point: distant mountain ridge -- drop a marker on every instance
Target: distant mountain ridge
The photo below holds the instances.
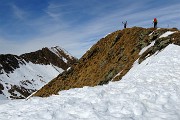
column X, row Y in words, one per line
column 24, row 74
column 54, row 55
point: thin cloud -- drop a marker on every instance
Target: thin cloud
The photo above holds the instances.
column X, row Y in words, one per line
column 55, row 10
column 77, row 37
column 18, row 13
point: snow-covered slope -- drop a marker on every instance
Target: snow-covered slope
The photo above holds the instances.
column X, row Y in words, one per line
column 149, row 91
column 26, row 79
column 22, row 75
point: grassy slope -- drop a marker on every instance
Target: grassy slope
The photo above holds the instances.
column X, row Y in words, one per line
column 111, row 55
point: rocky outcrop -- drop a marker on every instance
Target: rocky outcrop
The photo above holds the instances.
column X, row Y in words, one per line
column 1, row 88
column 110, row 58
column 8, row 63
column 54, row 55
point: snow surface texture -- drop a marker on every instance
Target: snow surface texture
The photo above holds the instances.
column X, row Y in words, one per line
column 37, row 76
column 149, row 91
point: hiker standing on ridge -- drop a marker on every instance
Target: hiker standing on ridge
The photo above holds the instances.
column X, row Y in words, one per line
column 125, row 24
column 155, row 22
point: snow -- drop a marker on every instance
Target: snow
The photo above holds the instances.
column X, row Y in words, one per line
column 166, row 34
column 106, row 35
column 154, row 31
column 68, row 68
column 2, row 97
column 151, row 33
column 56, row 50
column 65, row 60
column 150, row 90
column 37, row 75
column 147, row 47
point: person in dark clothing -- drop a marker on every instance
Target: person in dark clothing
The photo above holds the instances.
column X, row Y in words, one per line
column 125, row 24
column 155, row 22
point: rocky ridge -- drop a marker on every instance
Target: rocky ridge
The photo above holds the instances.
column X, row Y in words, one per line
column 111, row 58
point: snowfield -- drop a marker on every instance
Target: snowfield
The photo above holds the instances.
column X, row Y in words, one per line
column 149, row 91
column 36, row 74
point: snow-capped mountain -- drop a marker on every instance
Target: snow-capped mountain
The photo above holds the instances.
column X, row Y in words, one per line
column 112, row 57
column 24, row 74
column 149, row 91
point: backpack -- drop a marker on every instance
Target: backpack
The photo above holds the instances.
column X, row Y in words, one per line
column 155, row 20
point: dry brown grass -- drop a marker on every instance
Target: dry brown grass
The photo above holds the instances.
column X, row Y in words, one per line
column 113, row 54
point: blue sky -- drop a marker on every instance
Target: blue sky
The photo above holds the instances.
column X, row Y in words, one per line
column 29, row 25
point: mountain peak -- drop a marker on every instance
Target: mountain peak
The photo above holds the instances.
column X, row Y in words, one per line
column 59, row 50
column 24, row 74
column 111, row 58
column 53, row 55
